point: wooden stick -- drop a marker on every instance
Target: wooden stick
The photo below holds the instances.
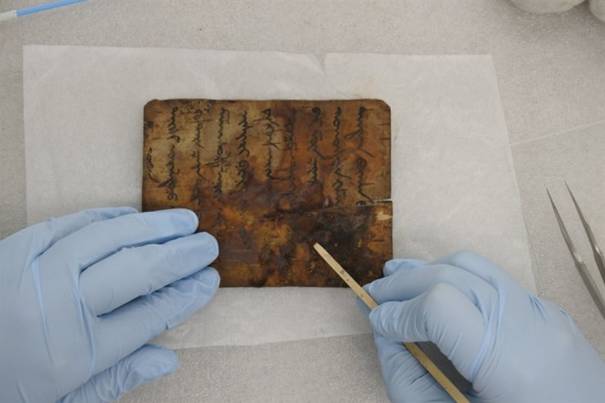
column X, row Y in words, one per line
column 413, row 348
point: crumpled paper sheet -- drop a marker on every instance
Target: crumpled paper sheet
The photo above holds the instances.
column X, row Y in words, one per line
column 453, row 185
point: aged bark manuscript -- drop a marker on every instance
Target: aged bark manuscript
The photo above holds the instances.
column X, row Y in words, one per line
column 270, row 178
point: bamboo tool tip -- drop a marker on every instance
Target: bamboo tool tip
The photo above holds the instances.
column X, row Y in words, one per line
column 345, row 276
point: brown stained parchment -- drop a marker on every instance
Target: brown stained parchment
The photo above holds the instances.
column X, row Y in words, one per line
column 270, row 178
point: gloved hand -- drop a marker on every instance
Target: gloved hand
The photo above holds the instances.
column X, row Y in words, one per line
column 511, row 345
column 80, row 296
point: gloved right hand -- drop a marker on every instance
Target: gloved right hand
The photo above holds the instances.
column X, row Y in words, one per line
column 511, row 345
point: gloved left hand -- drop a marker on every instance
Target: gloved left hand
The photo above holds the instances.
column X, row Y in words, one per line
column 80, row 296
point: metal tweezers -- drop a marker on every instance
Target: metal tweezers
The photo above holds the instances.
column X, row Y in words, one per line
column 589, row 281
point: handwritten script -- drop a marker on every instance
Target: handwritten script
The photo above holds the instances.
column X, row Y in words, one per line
column 266, row 177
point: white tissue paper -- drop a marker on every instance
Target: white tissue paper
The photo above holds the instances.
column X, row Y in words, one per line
column 453, row 185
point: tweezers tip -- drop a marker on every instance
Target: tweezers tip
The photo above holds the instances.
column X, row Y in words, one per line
column 580, row 214
column 552, row 202
column 570, row 192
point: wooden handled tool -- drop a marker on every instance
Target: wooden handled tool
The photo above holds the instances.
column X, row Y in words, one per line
column 416, row 352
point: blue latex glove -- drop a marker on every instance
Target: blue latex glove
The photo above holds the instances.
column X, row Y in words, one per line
column 512, row 345
column 80, row 296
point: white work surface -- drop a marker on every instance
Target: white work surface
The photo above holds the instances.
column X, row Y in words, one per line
column 453, row 187
column 552, row 87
